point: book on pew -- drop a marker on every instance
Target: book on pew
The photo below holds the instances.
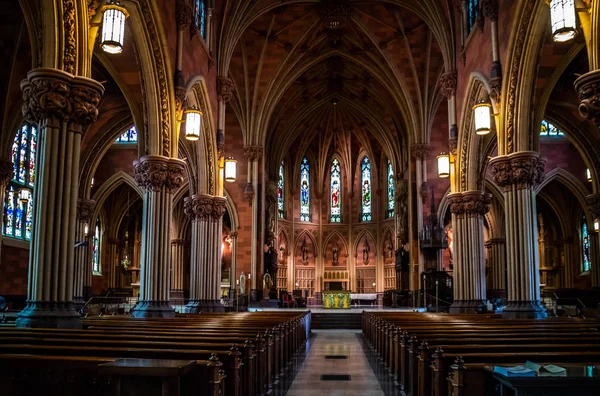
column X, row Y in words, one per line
column 548, row 370
column 516, row 371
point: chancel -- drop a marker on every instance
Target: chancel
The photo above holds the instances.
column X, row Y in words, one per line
column 221, row 196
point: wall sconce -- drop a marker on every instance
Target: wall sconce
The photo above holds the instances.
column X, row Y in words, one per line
column 374, row 284
column 193, row 124
column 230, row 169
column 562, row 20
column 113, row 28
column 596, row 225
column 481, row 112
column 443, row 160
column 92, row 182
column 588, row 175
column 86, row 229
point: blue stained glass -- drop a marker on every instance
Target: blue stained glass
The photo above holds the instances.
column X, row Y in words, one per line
column 32, row 153
column 280, row 192
column 23, row 151
column 15, row 155
column 390, row 181
column 366, row 189
column 9, row 215
column 129, row 136
column 586, row 246
column 549, row 129
column 201, row 17
column 18, row 217
column 29, row 217
column 305, row 190
column 472, row 13
column 96, row 248
column 336, row 192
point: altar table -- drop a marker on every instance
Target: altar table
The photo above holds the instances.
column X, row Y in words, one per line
column 336, row 299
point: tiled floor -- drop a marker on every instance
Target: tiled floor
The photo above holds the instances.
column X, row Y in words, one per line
column 336, row 342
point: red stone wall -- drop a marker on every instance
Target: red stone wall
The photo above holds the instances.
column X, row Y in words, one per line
column 14, row 265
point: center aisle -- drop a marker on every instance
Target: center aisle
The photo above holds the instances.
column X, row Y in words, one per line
column 337, row 343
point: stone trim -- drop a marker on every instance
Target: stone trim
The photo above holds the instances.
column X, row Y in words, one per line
column 588, row 92
column 85, row 209
column 153, row 172
column 204, row 207
column 524, row 169
column 470, row 203
column 253, row 153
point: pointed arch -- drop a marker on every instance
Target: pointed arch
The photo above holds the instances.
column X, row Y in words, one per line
column 339, row 238
column 335, row 191
column 111, row 184
column 300, row 238
column 572, row 184
column 357, row 241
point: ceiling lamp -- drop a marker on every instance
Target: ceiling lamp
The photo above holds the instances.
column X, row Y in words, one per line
column 193, row 124
column 588, row 174
column 230, row 169
column 562, row 19
column 113, row 28
column 481, row 112
column 443, row 160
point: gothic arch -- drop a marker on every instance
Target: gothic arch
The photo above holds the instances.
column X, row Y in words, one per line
column 339, row 238
column 370, row 239
column 232, row 210
column 387, row 231
column 299, row 239
column 111, row 184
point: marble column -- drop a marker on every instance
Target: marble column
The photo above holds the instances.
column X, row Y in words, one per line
column 159, row 177
column 496, row 254
column 565, row 260
column 177, row 260
column 81, row 286
column 468, row 209
column 419, row 154
column 206, row 213
column 517, row 174
column 6, row 174
column 594, row 206
column 62, row 105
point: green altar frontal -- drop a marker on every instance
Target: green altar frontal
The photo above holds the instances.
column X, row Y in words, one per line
column 336, row 299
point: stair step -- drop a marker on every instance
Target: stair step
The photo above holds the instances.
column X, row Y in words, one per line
column 336, row 321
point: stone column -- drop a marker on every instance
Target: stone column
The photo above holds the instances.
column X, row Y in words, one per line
column 112, row 262
column 177, row 260
column 518, row 173
column 419, row 154
column 566, row 248
column 496, row 248
column 160, row 177
column 6, row 174
column 82, row 288
column 254, row 154
column 468, row 209
column 206, row 213
column 62, row 105
column 594, row 205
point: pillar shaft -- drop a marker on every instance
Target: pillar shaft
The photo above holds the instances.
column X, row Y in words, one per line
column 517, row 174
column 112, row 262
column 496, row 266
column 81, row 282
column 62, row 105
column 177, row 260
column 160, row 177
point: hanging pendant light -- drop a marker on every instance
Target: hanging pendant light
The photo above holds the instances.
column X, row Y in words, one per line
column 193, row 124
column 443, row 160
column 562, row 19
column 481, row 112
column 230, row 169
column 113, row 28
column 588, row 174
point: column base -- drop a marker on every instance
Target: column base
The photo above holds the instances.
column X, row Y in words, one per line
column 78, row 303
column 524, row 309
column 55, row 315
column 198, row 306
column 153, row 309
column 468, row 306
column 255, row 295
column 176, row 297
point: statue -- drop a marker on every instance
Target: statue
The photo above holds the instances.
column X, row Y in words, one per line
column 365, row 252
column 267, row 282
column 402, row 214
column 335, row 252
column 304, row 253
column 271, row 197
column 389, row 251
column 281, row 254
column 242, row 283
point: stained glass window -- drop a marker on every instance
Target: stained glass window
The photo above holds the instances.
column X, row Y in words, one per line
column 129, row 136
column 472, row 13
column 549, row 129
column 585, row 238
column 201, row 17
column 390, row 189
column 18, row 201
column 305, row 190
column 96, row 248
column 366, row 189
column 336, row 192
column 280, row 192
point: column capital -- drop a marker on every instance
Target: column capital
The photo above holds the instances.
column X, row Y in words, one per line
column 177, row 242
column 470, row 203
column 6, row 172
column 420, row 150
column 57, row 96
column 204, row 207
column 494, row 241
column 253, row 153
column 233, row 234
column 448, row 82
column 593, row 201
column 489, row 9
column 153, row 172
column 523, row 169
column 85, row 209
column 183, row 14
column 225, row 88
column 588, row 92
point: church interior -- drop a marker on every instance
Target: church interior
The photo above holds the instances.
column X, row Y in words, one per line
column 220, row 197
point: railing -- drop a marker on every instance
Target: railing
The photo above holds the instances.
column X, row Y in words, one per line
column 579, row 305
column 437, row 301
column 236, row 304
column 108, row 305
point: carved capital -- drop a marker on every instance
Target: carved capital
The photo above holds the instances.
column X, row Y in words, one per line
column 153, row 172
column 233, row 234
column 85, row 209
column 6, row 172
column 588, row 91
column 448, row 83
column 204, row 207
column 224, row 89
column 496, row 91
column 456, row 203
column 177, row 242
column 253, row 153
column 593, row 201
column 249, row 193
column 489, row 9
column 219, row 207
column 183, row 14
column 523, row 169
column 476, row 203
column 420, row 150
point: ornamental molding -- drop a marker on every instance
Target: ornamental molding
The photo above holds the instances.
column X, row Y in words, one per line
column 588, row 92
column 470, row 203
column 155, row 172
column 524, row 169
column 183, row 14
column 448, row 82
column 204, row 207
column 85, row 209
column 6, row 172
column 225, row 88
column 420, row 150
column 489, row 9
column 70, row 51
column 249, row 193
column 494, row 242
column 593, row 201
column 55, row 96
column 253, row 153
column 177, row 242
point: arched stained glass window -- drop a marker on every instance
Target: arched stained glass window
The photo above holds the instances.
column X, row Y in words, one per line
column 549, row 129
column 96, row 247
column 280, row 192
column 129, row 136
column 472, row 13
column 201, row 17
column 305, row 190
column 365, row 166
column 390, row 190
column 585, row 242
column 18, row 203
column 336, row 192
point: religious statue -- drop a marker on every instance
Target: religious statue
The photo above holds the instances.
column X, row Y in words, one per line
column 267, row 282
column 242, row 283
column 304, row 253
column 402, row 213
column 389, row 251
column 281, row 254
column 365, row 252
column 335, row 251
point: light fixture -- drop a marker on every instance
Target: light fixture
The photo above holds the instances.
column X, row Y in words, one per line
column 92, row 182
column 230, row 169
column 481, row 112
column 562, row 20
column 113, row 28
column 588, row 174
column 86, row 229
column 443, row 160
column 374, row 284
column 596, row 225
column 193, row 124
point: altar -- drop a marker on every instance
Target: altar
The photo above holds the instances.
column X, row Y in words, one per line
column 336, row 299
